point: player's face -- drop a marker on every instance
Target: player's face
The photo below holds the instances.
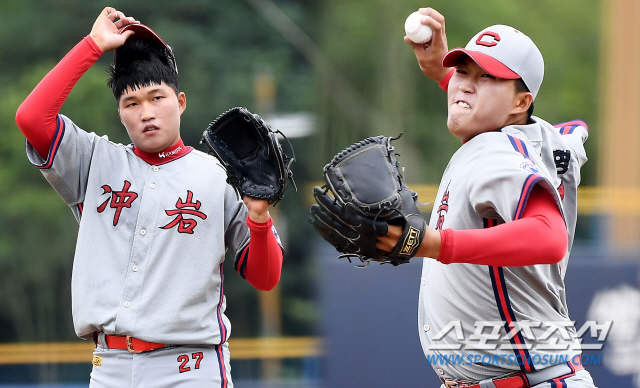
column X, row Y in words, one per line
column 479, row 102
column 151, row 116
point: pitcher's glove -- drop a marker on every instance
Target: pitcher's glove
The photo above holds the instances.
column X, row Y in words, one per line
column 367, row 194
column 249, row 150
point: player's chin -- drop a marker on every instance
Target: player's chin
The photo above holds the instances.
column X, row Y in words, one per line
column 149, row 145
column 456, row 128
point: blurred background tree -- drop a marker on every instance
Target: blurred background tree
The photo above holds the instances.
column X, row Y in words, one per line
column 358, row 78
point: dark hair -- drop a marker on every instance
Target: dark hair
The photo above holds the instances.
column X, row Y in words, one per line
column 139, row 64
column 522, row 87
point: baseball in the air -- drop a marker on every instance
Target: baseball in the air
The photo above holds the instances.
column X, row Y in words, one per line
column 416, row 31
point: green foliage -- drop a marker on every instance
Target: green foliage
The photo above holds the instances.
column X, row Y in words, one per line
column 363, row 42
column 36, row 243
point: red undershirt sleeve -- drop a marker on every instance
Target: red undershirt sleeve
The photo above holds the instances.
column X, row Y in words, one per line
column 36, row 116
column 444, row 84
column 539, row 237
column 264, row 262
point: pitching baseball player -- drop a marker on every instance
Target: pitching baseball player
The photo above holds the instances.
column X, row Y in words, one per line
column 156, row 218
column 492, row 309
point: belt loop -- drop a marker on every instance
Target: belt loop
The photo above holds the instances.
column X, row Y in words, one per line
column 487, row 384
column 524, row 377
column 102, row 341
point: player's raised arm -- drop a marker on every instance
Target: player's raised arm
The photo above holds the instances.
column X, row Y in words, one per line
column 36, row 116
column 430, row 54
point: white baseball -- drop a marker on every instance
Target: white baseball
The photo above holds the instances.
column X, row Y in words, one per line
column 416, row 31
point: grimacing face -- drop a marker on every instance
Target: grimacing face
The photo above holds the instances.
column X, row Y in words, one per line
column 479, row 102
column 151, row 116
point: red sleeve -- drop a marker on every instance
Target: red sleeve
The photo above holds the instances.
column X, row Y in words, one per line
column 539, row 237
column 36, row 116
column 264, row 261
column 444, row 84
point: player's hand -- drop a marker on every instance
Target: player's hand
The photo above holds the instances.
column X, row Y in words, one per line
column 258, row 209
column 388, row 242
column 430, row 246
column 105, row 29
column 430, row 54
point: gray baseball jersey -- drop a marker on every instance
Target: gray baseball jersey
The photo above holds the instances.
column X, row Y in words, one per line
column 478, row 322
column 152, row 238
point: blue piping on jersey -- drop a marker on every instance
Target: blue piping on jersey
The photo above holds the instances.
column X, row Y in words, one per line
column 240, row 264
column 223, row 328
column 55, row 143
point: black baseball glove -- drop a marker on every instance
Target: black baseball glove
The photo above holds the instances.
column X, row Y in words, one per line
column 249, row 150
column 368, row 193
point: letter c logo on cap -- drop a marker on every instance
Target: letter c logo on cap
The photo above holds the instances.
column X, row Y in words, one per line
column 488, row 39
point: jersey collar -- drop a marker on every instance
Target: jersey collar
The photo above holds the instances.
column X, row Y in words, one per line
column 165, row 156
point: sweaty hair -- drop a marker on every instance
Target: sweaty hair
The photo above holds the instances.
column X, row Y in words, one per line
column 139, row 64
column 521, row 87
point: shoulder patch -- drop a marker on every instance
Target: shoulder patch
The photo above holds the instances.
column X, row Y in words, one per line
column 528, row 165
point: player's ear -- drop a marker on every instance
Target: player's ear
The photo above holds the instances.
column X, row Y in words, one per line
column 182, row 101
column 521, row 103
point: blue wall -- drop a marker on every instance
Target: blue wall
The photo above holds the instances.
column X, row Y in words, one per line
column 370, row 320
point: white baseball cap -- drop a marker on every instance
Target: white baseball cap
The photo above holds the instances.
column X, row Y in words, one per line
column 503, row 52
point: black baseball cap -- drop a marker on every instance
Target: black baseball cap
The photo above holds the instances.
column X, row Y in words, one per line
column 143, row 32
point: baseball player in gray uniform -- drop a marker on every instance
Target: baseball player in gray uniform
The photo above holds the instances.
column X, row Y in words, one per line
column 492, row 307
column 156, row 218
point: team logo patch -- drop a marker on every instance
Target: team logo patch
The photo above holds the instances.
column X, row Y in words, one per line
column 443, row 208
column 528, row 165
column 411, row 241
column 97, row 361
column 488, row 39
column 170, row 153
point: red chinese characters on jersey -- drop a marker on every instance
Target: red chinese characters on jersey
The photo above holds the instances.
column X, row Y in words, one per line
column 118, row 200
column 185, row 208
column 443, row 208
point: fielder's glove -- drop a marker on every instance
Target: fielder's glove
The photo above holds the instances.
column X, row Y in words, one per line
column 367, row 194
column 249, row 150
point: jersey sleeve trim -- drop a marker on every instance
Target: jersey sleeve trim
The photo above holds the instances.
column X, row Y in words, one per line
column 530, row 182
column 568, row 127
column 240, row 264
column 55, row 144
column 528, row 185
